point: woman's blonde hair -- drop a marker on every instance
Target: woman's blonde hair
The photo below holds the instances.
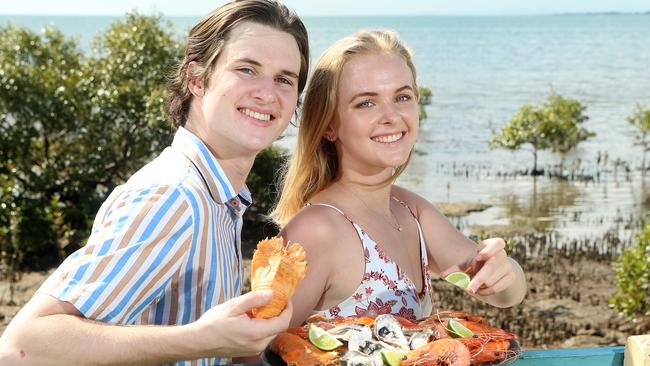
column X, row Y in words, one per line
column 314, row 163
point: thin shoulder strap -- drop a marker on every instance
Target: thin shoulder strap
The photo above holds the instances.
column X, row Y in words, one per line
column 327, row 205
column 405, row 205
column 423, row 247
column 357, row 229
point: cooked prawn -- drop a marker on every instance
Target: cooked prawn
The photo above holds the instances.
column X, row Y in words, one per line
column 489, row 344
column 442, row 352
column 456, row 314
column 296, row 351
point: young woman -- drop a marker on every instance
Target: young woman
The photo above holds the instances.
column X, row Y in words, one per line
column 370, row 244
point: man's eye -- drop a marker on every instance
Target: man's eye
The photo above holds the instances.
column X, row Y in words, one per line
column 283, row 80
column 245, row 70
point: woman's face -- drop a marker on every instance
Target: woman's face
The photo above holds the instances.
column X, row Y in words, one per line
column 376, row 118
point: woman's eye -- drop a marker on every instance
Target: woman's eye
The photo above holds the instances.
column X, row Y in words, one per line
column 365, row 104
column 404, row 98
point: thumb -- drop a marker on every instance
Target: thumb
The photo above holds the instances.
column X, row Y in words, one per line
column 449, row 270
column 242, row 304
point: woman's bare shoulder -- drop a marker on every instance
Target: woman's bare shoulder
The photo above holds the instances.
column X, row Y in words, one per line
column 315, row 225
column 416, row 202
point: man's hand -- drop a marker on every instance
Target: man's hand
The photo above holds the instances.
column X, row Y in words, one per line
column 227, row 330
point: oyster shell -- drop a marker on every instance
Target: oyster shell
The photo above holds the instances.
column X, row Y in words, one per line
column 389, row 330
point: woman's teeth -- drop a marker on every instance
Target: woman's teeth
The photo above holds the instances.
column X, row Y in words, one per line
column 256, row 115
column 389, row 138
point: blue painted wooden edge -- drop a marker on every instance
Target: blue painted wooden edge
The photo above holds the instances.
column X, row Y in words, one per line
column 573, row 352
column 606, row 356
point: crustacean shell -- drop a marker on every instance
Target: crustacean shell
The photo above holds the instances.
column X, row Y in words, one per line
column 424, row 342
column 276, row 268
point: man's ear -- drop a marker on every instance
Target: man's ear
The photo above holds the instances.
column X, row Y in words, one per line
column 195, row 83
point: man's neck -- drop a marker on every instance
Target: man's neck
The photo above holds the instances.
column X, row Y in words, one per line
column 237, row 170
column 235, row 163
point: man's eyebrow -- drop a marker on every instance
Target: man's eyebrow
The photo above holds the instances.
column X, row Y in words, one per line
column 290, row 74
column 247, row 60
column 373, row 94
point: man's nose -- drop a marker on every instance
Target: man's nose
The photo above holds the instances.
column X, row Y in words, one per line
column 265, row 90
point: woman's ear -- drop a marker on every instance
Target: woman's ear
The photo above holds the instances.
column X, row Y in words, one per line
column 195, row 83
column 330, row 134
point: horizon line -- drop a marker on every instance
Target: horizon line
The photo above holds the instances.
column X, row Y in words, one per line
column 642, row 12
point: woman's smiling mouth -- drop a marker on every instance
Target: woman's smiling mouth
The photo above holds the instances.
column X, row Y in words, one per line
column 388, row 138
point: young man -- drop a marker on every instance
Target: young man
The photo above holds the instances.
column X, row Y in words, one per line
column 160, row 277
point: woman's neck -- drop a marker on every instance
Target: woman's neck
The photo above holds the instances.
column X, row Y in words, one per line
column 375, row 197
column 373, row 203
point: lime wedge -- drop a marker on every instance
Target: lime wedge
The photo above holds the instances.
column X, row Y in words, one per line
column 460, row 279
column 392, row 358
column 323, row 340
column 458, row 330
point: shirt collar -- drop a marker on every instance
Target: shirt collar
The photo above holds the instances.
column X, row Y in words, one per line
column 208, row 166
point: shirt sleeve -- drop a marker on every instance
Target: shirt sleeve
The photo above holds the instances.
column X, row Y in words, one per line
column 139, row 240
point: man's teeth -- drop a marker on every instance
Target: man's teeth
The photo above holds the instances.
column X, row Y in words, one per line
column 256, row 115
column 389, row 138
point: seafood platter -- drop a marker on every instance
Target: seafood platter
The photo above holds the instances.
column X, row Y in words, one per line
column 444, row 338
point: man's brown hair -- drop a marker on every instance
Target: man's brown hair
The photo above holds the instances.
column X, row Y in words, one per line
column 207, row 39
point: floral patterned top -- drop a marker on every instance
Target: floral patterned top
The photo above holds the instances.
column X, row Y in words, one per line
column 384, row 288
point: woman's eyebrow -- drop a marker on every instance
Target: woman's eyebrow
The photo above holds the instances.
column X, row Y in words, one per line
column 373, row 94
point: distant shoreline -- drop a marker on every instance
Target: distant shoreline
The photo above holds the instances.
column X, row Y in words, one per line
column 608, row 13
column 616, row 13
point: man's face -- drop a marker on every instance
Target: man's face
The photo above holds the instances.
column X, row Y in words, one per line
column 252, row 93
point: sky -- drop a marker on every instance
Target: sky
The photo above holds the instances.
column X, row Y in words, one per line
column 327, row 7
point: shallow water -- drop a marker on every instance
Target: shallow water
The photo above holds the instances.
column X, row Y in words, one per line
column 613, row 201
column 481, row 71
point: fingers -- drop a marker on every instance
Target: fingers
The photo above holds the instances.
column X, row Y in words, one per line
column 490, row 248
column 490, row 266
column 272, row 326
column 495, row 275
column 449, row 270
column 479, row 278
column 499, row 286
column 490, row 270
column 242, row 304
column 487, row 276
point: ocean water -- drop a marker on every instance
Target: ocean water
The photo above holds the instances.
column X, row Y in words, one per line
column 482, row 70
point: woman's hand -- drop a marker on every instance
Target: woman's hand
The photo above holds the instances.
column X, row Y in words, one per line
column 491, row 270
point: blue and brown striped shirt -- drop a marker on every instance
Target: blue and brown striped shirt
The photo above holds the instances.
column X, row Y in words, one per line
column 165, row 246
